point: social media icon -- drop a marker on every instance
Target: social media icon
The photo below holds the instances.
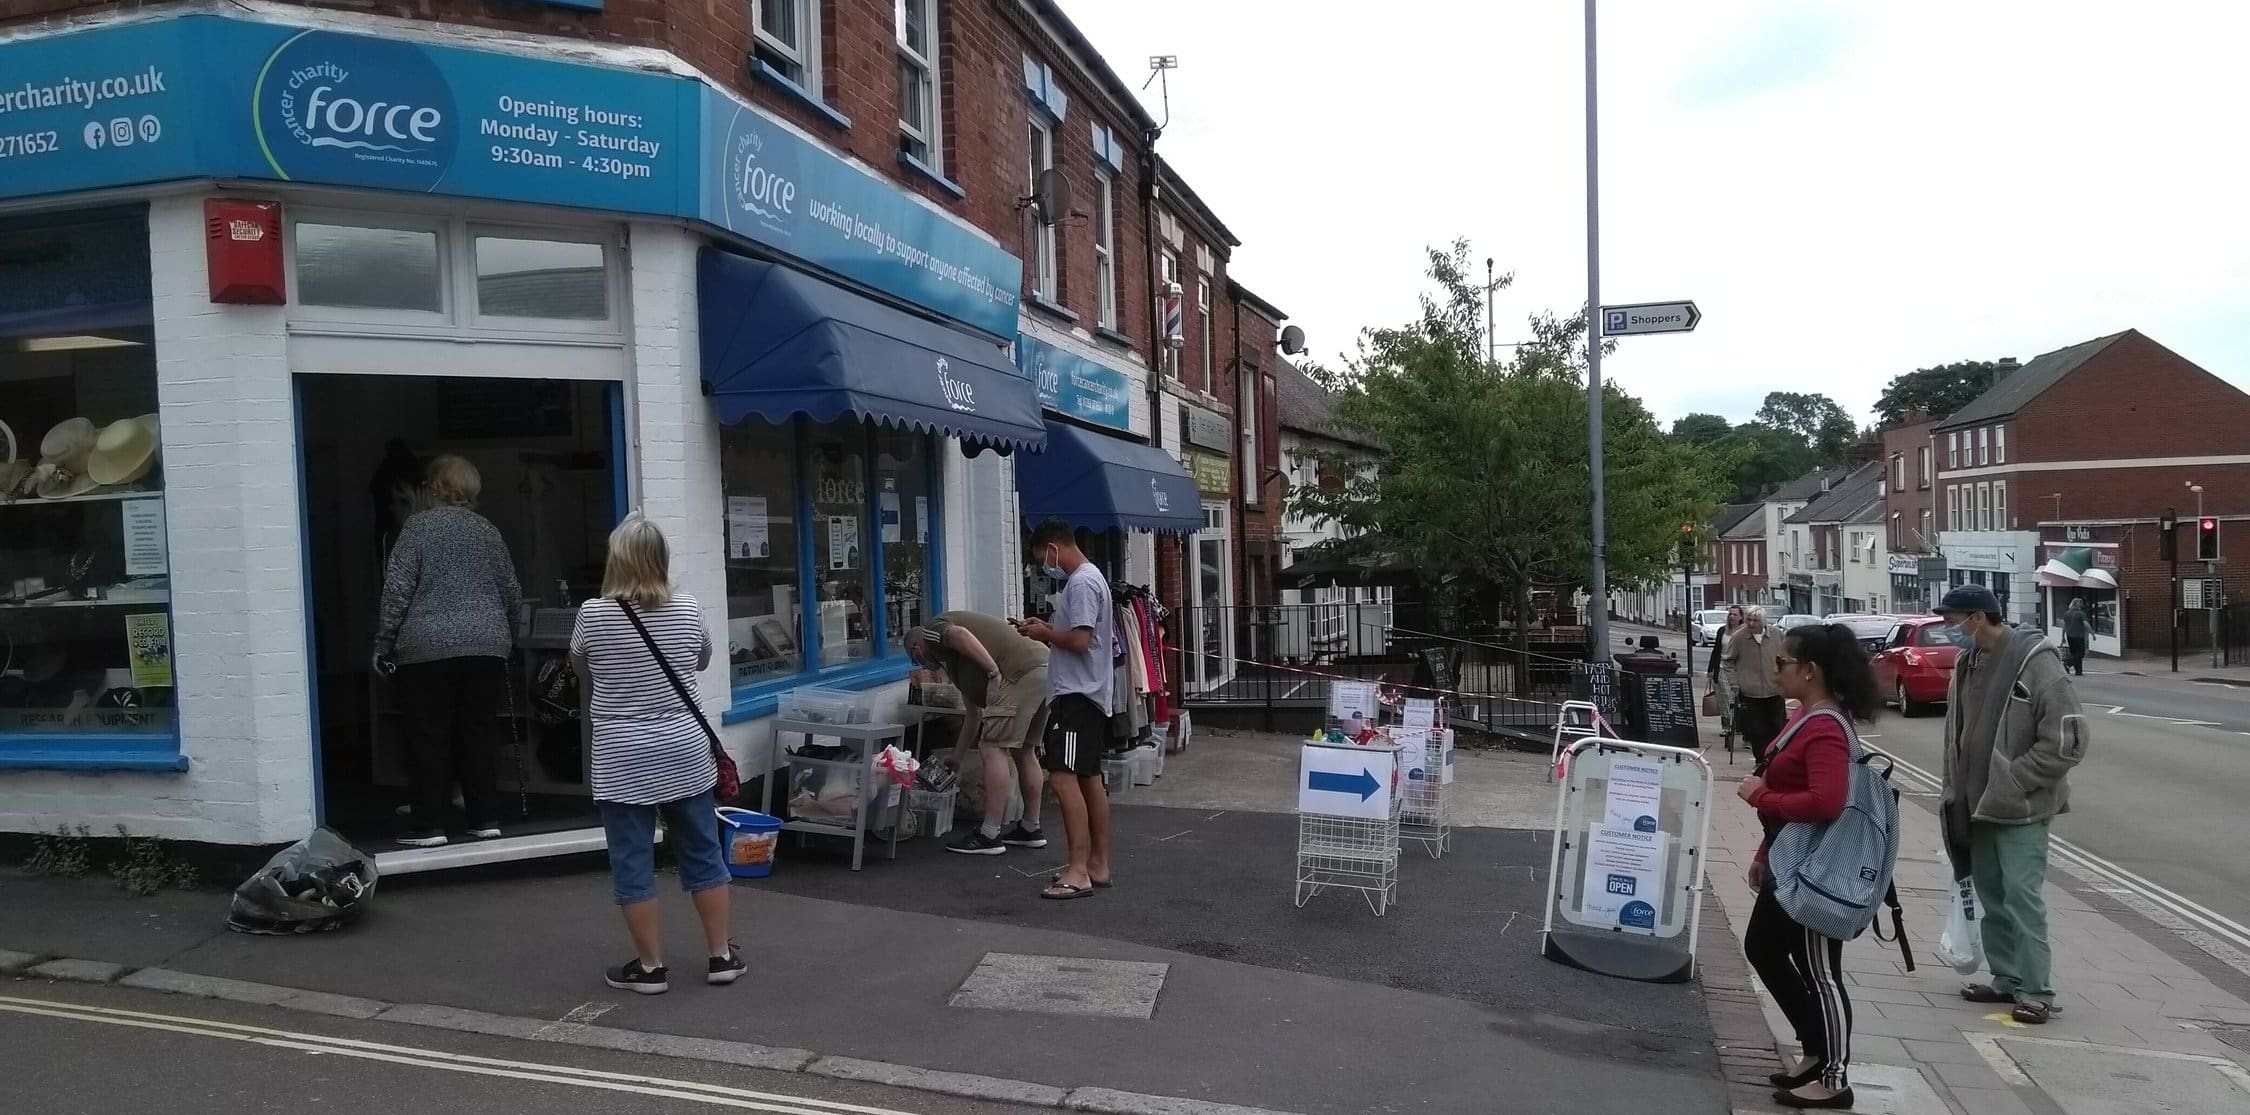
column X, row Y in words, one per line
column 121, row 131
column 96, row 135
column 151, row 128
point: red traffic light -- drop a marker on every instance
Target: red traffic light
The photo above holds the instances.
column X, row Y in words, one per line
column 2208, row 525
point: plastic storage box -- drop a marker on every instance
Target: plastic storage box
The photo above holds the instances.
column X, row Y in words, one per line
column 933, row 811
column 817, row 705
column 1117, row 776
column 1145, row 763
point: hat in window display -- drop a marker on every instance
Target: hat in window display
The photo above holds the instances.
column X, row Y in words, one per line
column 124, row 451
column 62, row 461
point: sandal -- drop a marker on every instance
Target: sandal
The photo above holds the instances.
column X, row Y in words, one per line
column 1064, row 892
column 2032, row 1013
column 1099, row 884
column 1985, row 993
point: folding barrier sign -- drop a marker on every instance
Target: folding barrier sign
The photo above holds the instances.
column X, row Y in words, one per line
column 1626, row 876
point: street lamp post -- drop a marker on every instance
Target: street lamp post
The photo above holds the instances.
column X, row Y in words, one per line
column 1597, row 584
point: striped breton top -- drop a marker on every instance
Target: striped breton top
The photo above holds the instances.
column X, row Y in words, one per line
column 648, row 748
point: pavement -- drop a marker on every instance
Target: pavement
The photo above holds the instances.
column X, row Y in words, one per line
column 1193, row 983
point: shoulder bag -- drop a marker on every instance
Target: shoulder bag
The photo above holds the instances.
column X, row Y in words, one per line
column 730, row 778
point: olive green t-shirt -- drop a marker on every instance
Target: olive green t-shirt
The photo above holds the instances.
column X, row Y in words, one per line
column 1016, row 655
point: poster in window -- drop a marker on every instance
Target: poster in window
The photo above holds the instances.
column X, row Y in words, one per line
column 843, row 542
column 746, row 527
column 144, row 537
column 148, row 648
column 887, row 504
column 921, row 518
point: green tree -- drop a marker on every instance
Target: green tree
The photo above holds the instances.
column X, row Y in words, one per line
column 1703, row 431
column 1824, row 427
column 1935, row 392
column 1484, row 472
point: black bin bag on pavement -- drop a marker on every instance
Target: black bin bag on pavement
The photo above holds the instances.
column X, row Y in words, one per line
column 317, row 884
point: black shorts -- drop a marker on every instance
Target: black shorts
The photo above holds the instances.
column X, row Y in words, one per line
column 1077, row 735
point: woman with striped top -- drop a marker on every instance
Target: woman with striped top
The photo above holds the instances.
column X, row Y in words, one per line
column 651, row 750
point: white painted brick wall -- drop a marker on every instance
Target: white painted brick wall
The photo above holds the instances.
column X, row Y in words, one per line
column 230, row 469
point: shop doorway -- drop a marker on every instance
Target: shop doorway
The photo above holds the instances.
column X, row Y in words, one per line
column 1212, row 586
column 550, row 462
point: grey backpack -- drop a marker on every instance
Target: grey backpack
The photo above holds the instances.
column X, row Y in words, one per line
column 1833, row 878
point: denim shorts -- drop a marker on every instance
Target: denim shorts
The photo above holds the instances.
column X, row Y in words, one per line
column 691, row 827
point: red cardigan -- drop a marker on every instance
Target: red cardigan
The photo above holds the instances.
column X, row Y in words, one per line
column 1807, row 780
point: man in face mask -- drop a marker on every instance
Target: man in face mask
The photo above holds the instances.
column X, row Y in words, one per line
column 1081, row 680
column 2013, row 731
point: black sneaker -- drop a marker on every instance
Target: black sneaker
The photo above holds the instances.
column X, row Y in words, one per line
column 1021, row 837
column 726, row 969
column 423, row 838
column 630, row 976
column 976, row 843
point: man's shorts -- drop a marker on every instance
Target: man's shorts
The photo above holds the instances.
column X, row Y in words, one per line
column 1016, row 715
column 1077, row 734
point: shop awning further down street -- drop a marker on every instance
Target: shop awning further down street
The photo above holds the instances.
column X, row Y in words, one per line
column 779, row 343
column 1101, row 483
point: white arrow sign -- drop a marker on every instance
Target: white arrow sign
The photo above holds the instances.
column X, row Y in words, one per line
column 1650, row 317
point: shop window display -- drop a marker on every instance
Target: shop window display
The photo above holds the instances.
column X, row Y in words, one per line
column 85, row 593
column 832, row 534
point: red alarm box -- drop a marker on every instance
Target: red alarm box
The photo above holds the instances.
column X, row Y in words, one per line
column 242, row 251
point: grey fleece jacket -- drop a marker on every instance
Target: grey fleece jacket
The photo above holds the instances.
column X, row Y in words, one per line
column 2013, row 731
column 450, row 592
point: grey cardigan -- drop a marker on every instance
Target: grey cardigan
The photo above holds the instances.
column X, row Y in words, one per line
column 450, row 592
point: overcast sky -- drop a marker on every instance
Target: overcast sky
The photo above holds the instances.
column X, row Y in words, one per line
column 1848, row 190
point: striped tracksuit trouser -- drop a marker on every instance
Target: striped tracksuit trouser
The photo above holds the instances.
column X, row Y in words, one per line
column 1804, row 972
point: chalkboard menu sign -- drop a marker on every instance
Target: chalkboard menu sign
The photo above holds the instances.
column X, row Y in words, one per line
column 1437, row 669
column 1670, row 710
column 1597, row 684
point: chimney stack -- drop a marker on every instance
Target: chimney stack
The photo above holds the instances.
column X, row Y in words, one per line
column 2005, row 367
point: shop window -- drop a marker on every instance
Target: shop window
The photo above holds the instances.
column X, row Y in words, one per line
column 1044, row 282
column 832, row 535
column 360, row 267
column 559, row 279
column 1105, row 248
column 920, row 99
column 441, row 276
column 86, row 664
column 789, row 40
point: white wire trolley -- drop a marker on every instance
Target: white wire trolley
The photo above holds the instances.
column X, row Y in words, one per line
column 1425, row 817
column 1348, row 823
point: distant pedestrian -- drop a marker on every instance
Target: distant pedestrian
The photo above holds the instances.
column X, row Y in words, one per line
column 2013, row 731
column 1081, row 676
column 1722, row 676
column 1807, row 780
column 635, row 647
column 1753, row 655
column 2075, row 631
column 443, row 634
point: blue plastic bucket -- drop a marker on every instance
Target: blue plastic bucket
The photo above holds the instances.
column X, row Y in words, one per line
column 751, row 839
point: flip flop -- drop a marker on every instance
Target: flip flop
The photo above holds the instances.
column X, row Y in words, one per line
column 1985, row 993
column 1064, row 892
column 1099, row 884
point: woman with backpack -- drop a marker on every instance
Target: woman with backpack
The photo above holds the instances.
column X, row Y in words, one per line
column 1806, row 779
column 652, row 751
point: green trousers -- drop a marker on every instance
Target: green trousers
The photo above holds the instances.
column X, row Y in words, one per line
column 2009, row 865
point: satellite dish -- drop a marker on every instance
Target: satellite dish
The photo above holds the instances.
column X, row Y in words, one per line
column 1050, row 196
column 1292, row 340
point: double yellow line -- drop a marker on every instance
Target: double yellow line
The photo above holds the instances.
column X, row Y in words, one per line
column 709, row 1095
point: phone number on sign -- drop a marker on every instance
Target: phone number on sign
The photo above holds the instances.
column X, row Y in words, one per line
column 36, row 143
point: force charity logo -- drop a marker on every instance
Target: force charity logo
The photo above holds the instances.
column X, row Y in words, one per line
column 759, row 190
column 348, row 109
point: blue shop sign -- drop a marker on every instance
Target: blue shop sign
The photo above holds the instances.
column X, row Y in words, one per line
column 764, row 182
column 202, row 96
column 1071, row 385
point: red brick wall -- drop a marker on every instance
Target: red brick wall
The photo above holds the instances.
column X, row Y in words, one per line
column 1918, row 494
column 2135, row 399
column 2144, row 578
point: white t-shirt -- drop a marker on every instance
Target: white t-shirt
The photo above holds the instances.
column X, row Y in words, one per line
column 648, row 747
column 1085, row 603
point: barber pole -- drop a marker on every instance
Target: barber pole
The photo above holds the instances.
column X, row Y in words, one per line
column 1172, row 334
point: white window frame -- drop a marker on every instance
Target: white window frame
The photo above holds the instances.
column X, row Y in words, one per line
column 929, row 133
column 1040, row 139
column 805, row 56
column 1168, row 270
column 1999, row 445
column 1203, row 328
column 459, row 315
column 2000, row 505
column 1898, row 472
column 1953, row 507
column 1953, row 449
column 1984, row 506
column 1246, row 409
column 1105, row 247
column 1984, row 446
column 1922, row 468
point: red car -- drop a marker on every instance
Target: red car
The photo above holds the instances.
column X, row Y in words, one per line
column 1915, row 666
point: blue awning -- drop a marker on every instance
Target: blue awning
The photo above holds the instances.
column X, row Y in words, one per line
column 1100, row 482
column 778, row 343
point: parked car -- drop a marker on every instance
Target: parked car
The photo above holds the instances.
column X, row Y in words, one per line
column 1708, row 623
column 1874, row 631
column 1915, row 666
column 1795, row 620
